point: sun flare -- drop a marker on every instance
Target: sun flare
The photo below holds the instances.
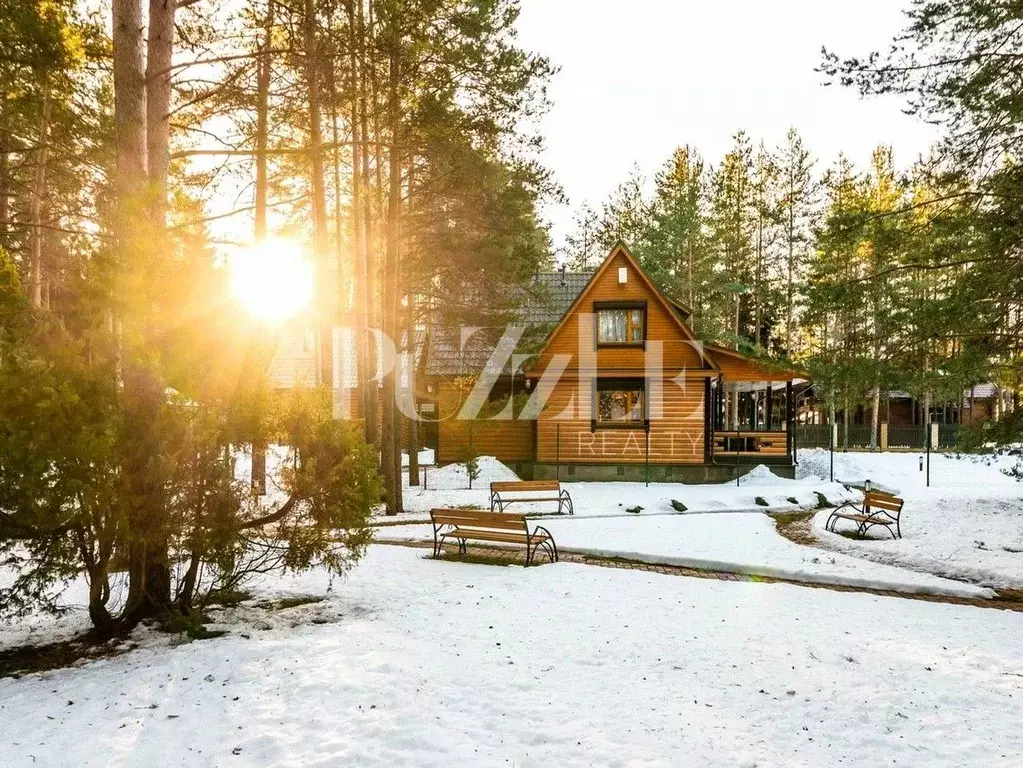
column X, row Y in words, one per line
column 272, row 280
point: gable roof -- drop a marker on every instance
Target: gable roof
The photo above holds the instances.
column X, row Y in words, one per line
column 672, row 309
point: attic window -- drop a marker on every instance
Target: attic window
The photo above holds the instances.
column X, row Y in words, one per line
column 621, row 324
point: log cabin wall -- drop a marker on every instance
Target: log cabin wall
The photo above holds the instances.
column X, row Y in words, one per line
column 506, row 440
column 564, row 435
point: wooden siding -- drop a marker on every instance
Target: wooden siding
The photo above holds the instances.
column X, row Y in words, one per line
column 506, row 440
column 564, row 434
column 679, row 350
column 735, row 367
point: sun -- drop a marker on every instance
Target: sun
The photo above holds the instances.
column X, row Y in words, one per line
column 272, row 280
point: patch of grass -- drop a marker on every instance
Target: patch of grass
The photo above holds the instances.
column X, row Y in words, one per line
column 634, row 510
column 761, row 501
column 822, row 500
column 193, row 626
column 678, row 506
column 795, row 526
column 480, row 558
column 291, row 602
column 26, row 659
column 227, row 597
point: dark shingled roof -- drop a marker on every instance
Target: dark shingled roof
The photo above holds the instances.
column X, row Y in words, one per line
column 550, row 296
column 555, row 292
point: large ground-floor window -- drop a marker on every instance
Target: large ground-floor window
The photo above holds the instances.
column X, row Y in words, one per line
column 620, row 402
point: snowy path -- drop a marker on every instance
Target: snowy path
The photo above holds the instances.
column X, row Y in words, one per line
column 438, row 664
column 740, row 543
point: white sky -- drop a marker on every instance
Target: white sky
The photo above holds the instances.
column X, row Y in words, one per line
column 640, row 77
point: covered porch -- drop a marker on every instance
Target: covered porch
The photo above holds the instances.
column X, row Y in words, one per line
column 752, row 419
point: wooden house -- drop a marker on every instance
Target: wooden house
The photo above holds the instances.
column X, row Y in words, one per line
column 620, row 388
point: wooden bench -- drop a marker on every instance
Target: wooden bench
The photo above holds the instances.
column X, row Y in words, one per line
column 465, row 525
column 499, row 491
column 878, row 508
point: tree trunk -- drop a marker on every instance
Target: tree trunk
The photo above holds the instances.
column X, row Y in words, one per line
column 391, row 431
column 36, row 203
column 845, row 424
column 159, row 53
column 324, row 295
column 875, row 416
column 129, row 102
column 360, row 293
column 790, row 287
column 148, row 569
column 5, row 186
column 371, row 392
column 413, row 422
column 257, row 477
column 262, row 119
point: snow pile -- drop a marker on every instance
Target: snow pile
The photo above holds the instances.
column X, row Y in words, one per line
column 737, row 543
column 977, row 540
column 428, row 664
column 762, row 475
column 452, row 477
column 426, row 456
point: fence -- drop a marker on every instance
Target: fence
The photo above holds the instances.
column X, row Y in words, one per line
column 927, row 455
column 912, row 437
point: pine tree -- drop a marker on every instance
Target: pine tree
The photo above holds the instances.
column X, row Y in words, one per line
column 677, row 252
column 796, row 213
column 582, row 245
column 732, row 226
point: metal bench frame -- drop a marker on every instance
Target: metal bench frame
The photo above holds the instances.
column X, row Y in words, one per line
column 475, row 521
column 499, row 502
column 866, row 519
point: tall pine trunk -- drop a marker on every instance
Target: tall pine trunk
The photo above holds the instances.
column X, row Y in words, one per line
column 324, row 295
column 371, row 398
column 36, row 203
column 257, row 479
column 159, row 54
column 391, row 422
column 358, row 232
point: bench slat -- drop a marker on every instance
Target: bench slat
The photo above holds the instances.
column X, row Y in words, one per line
column 525, row 485
column 478, row 518
column 883, row 502
column 484, row 535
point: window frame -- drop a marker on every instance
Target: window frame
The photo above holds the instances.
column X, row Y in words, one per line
column 603, row 306
column 619, row 384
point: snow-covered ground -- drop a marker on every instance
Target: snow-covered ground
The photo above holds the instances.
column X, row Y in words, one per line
column 951, row 474
column 968, row 525
column 448, row 486
column 978, row 540
column 429, row 663
column 743, row 542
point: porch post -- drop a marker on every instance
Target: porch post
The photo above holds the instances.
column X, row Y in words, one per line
column 768, row 409
column 790, row 418
column 708, row 421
